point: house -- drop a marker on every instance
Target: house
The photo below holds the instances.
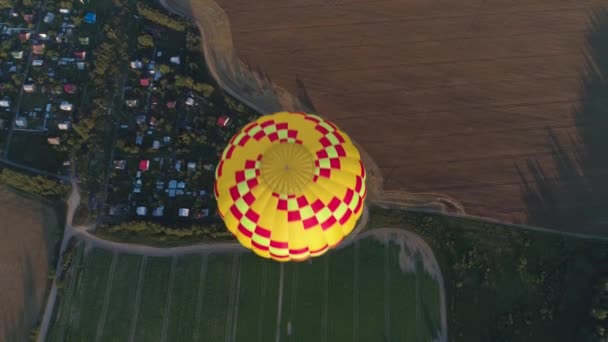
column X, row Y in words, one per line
column 153, row 121
column 191, row 166
column 181, row 185
column 144, row 82
column 80, row 65
column 154, row 100
column 38, row 49
column 170, row 104
column 24, row 36
column 156, row 144
column 166, row 139
column 173, row 184
column 29, row 18
column 90, row 18
column 48, row 18
column 66, row 106
column 135, row 64
column 144, row 165
column 222, row 121
column 64, row 126
column 5, row 103
column 158, row 212
column 84, row 40
column 184, row 212
column 138, row 184
column 37, row 62
column 202, row 213
column 54, row 140
column 80, row 55
column 43, row 36
column 29, row 87
column 175, row 60
column 178, row 166
column 131, row 102
column 209, row 166
column 21, row 122
column 17, row 54
column 70, row 88
column 140, row 119
column 190, row 101
column 119, row 164
column 139, row 139
column 141, row 211
column 160, row 185
column 64, row 11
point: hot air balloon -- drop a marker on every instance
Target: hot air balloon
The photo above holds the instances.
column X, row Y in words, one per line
column 290, row 186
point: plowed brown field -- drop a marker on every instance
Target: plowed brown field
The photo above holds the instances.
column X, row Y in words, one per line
column 28, row 231
column 448, row 97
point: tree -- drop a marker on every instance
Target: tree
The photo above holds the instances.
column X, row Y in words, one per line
column 145, row 40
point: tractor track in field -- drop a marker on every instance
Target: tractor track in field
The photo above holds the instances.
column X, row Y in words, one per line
column 231, row 299
column 324, row 313
column 199, row 297
column 280, row 303
column 236, row 302
column 294, row 297
column 356, row 294
column 264, row 280
column 106, row 298
column 140, row 281
column 387, row 293
column 167, row 314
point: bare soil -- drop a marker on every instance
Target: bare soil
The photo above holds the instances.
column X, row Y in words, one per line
column 26, row 248
column 448, row 98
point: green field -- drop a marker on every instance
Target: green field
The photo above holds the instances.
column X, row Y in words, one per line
column 358, row 293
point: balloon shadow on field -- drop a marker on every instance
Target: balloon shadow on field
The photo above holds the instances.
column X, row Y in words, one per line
column 575, row 198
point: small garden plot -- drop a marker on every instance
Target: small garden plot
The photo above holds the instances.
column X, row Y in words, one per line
column 32, row 149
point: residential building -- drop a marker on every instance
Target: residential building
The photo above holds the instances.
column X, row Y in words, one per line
column 80, row 55
column 21, row 122
column 184, row 212
column 54, row 140
column 64, row 126
column 175, row 60
column 84, row 40
column 5, row 103
column 29, row 87
column 17, row 54
column 90, row 18
column 38, row 49
column 158, row 211
column 66, row 106
column 119, row 164
column 190, row 101
column 48, row 18
column 222, row 121
column 37, row 62
column 70, row 88
column 131, row 102
column 24, row 36
column 136, row 65
column 141, row 211
column 144, row 165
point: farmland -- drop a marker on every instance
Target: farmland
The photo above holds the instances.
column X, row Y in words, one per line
column 484, row 101
column 30, row 231
column 358, row 293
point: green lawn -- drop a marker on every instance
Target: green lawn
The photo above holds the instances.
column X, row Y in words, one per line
column 32, row 149
column 214, row 296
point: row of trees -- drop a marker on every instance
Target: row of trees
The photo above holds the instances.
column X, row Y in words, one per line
column 599, row 309
column 160, row 18
column 156, row 233
column 38, row 185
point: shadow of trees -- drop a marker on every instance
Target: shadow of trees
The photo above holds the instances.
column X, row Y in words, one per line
column 576, row 198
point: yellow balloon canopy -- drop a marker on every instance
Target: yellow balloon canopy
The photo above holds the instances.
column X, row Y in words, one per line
column 290, row 186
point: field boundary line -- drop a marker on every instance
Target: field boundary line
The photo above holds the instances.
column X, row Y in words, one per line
column 106, row 298
column 356, row 294
column 280, row 302
column 199, row 297
column 387, row 290
column 236, row 300
column 264, row 279
column 230, row 311
column 418, row 303
column 324, row 313
column 294, row 296
column 140, row 281
column 169, row 300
